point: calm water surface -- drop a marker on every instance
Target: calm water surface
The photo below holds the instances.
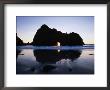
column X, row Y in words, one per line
column 55, row 60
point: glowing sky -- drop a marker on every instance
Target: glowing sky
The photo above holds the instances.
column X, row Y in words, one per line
column 83, row 25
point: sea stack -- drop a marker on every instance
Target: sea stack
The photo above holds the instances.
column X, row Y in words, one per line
column 46, row 36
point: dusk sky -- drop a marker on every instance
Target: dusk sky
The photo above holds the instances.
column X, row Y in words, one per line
column 27, row 26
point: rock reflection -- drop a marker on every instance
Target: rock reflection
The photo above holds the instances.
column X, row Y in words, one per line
column 52, row 56
column 17, row 53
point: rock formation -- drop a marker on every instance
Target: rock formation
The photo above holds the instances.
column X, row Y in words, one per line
column 46, row 36
column 18, row 41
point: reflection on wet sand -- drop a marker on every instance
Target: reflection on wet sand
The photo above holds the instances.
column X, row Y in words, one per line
column 52, row 56
column 48, row 58
column 47, row 61
column 17, row 53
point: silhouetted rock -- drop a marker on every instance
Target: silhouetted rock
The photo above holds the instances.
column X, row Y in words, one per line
column 46, row 36
column 18, row 41
column 71, row 39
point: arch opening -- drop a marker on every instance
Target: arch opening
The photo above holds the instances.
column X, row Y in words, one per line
column 58, row 43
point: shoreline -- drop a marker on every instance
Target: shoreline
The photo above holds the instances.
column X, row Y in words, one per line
column 55, row 47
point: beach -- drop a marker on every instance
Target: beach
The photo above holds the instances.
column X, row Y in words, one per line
column 55, row 59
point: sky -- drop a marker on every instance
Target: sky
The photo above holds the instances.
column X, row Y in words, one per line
column 27, row 26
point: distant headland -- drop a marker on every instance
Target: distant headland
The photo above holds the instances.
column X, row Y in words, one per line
column 46, row 36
